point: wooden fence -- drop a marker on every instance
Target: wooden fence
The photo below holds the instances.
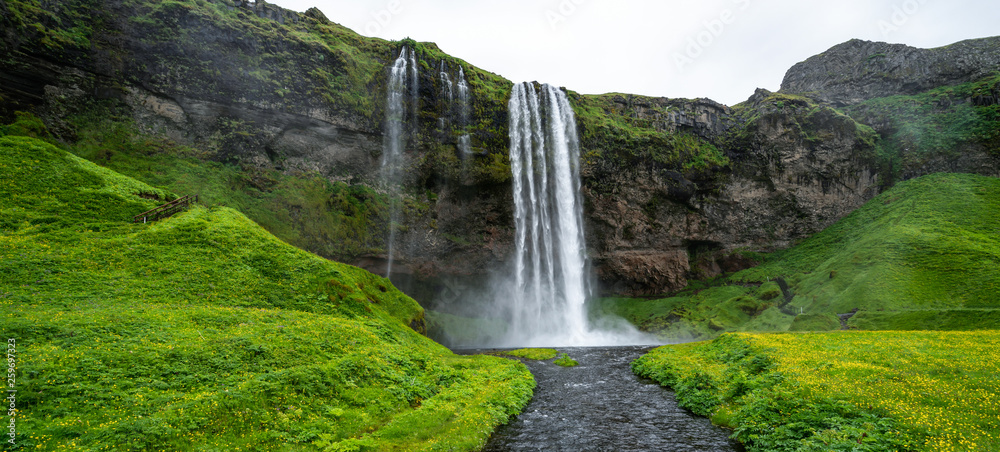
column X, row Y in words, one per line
column 165, row 210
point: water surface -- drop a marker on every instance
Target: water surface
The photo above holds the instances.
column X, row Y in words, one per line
column 601, row 405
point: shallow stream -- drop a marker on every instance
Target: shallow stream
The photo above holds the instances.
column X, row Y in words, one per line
column 601, row 405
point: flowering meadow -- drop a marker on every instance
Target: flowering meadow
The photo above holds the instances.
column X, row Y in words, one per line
column 871, row 391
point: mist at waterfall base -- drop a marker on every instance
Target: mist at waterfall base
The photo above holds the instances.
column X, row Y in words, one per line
column 541, row 298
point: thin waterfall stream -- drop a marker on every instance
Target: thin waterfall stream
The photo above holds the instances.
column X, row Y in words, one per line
column 402, row 76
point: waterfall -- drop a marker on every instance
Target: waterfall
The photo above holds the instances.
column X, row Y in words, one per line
column 448, row 94
column 414, row 94
column 464, row 141
column 403, row 74
column 549, row 288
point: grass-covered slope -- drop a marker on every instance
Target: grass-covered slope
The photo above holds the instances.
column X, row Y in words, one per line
column 932, row 128
column 923, row 255
column 859, row 391
column 204, row 332
column 928, row 243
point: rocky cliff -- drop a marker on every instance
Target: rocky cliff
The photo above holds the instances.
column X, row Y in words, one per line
column 857, row 70
column 280, row 114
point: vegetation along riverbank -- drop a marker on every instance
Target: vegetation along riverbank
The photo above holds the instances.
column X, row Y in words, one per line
column 867, row 391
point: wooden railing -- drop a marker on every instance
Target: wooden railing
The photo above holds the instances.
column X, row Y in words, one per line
column 165, row 210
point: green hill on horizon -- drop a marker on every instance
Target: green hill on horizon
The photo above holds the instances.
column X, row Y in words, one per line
column 205, row 332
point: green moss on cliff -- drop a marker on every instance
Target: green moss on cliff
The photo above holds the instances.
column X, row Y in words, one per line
column 612, row 134
column 57, row 27
column 942, row 122
column 333, row 219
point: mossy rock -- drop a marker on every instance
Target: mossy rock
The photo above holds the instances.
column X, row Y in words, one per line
column 565, row 361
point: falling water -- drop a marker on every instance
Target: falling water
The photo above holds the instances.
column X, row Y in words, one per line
column 448, row 94
column 549, row 286
column 402, row 74
column 464, row 142
column 414, row 93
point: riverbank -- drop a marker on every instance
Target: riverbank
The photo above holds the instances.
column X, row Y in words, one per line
column 877, row 391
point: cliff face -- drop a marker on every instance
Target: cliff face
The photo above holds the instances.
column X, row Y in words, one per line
column 281, row 114
column 784, row 169
column 276, row 95
column 857, row 70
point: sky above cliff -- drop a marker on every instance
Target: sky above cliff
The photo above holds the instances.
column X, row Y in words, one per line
column 720, row 49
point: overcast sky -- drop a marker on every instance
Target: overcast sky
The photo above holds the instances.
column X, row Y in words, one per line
column 720, row 49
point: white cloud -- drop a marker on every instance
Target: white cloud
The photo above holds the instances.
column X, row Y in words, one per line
column 596, row 46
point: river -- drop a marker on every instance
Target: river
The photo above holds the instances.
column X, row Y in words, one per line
column 601, row 405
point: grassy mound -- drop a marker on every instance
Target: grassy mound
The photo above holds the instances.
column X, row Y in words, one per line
column 205, row 332
column 918, row 256
column 871, row 391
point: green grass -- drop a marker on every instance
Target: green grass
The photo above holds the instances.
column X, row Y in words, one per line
column 916, row 257
column 205, row 332
column 541, row 354
column 871, row 391
column 941, row 122
column 929, row 242
column 611, row 135
column 565, row 360
column 333, row 219
column 536, row 354
column 457, row 331
column 700, row 312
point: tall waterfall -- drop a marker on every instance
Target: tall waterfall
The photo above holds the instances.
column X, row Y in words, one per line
column 546, row 304
column 402, row 75
column 464, row 141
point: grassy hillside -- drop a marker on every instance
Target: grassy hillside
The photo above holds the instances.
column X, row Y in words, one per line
column 923, row 255
column 933, row 126
column 862, row 391
column 930, row 242
column 205, row 332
